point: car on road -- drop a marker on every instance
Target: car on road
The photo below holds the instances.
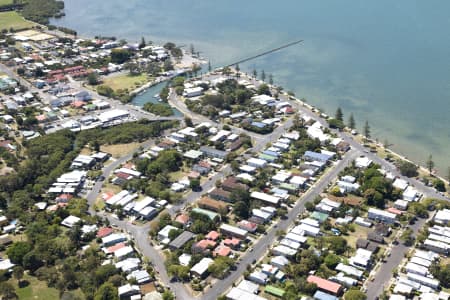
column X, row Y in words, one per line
column 101, row 178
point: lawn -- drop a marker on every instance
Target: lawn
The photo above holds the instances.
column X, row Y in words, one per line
column 5, row 2
column 119, row 150
column 35, row 290
column 125, row 81
column 12, row 19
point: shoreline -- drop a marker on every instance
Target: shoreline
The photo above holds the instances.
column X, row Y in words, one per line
column 307, row 105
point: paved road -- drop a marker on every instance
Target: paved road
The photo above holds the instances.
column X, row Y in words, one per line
column 384, row 274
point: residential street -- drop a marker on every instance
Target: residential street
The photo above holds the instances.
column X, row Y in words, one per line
column 140, row 233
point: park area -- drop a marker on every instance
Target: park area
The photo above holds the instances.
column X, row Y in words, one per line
column 12, row 19
column 125, row 81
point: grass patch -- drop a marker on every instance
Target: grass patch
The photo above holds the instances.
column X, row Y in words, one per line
column 125, row 82
column 175, row 176
column 360, row 233
column 35, row 290
column 5, row 2
column 120, row 149
column 12, row 19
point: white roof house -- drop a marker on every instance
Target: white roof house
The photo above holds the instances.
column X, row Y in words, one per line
column 363, row 162
column 248, row 286
column 279, row 261
column 123, row 253
column 283, row 251
column 442, row 216
column 349, row 270
column 381, row 215
column 164, row 233
column 232, row 230
column 113, row 239
column 273, row 200
column 400, row 184
column 256, row 162
column 112, row 115
column 239, row 294
column 361, row 258
column 410, row 194
column 309, row 230
column 140, row 205
column 70, row 221
column 201, row 267
column 429, row 282
column 416, row 269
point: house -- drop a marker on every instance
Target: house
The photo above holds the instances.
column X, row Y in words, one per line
column 256, row 162
column 315, row 156
column 382, row 229
column 400, row 184
column 319, row 295
column 231, row 184
column 210, row 214
column 233, row 243
column 270, row 289
column 347, row 187
column 248, row 226
column 70, row 221
column 436, row 246
column 163, row 234
column 265, row 198
column 212, row 235
column 382, row 216
column 279, row 261
column 411, row 194
column 239, row 294
column 203, row 246
column 181, row 240
column 141, row 276
column 442, row 217
column 283, row 251
column 325, row 285
column 361, row 259
column 193, row 154
column 349, row 270
column 201, row 268
column 426, row 281
column 128, row 290
column 214, row 153
column 233, row 231
column 401, row 204
column 193, row 92
column 375, row 237
column 362, row 162
column 222, row 250
column 248, row 286
column 214, row 205
column 258, row 277
column 416, row 269
column 113, row 239
column 362, row 222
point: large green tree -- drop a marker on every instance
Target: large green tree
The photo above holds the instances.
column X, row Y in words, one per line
column 106, row 292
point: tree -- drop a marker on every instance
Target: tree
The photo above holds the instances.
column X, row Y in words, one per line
column 263, row 75
column 339, row 115
column 220, row 266
column 337, row 244
column 332, row 260
column 106, row 291
column 439, row 185
column 209, row 66
column 241, row 209
column 142, row 44
column 167, row 295
column 238, row 69
column 366, row 130
column 7, row 291
column 408, row 169
column 354, row 294
column 448, row 174
column 119, row 56
column 17, row 251
column 270, row 79
column 430, row 164
column 188, row 122
column 407, row 237
column 32, row 262
column 195, row 184
column 255, row 73
column 264, row 89
column 351, row 121
column 18, row 274
column 92, row 78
